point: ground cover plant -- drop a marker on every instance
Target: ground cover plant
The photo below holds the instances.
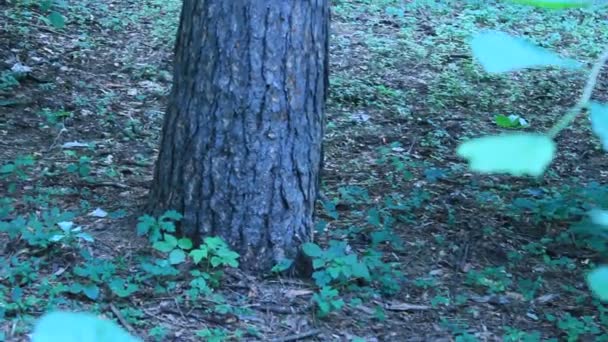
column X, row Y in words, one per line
column 410, row 244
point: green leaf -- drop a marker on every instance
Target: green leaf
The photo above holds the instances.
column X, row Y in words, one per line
column 198, row 254
column 334, row 272
column 599, row 121
column 122, row 288
column 171, row 215
column 85, row 236
column 511, row 121
column 598, row 282
column 78, row 327
column 56, row 19
column 360, row 270
column 516, row 154
column 215, row 261
column 556, row 4
column 318, row 263
column 7, row 168
column 177, row 256
column 282, row 265
column 312, row 250
column 499, row 52
column 214, row 242
column 163, row 246
column 503, row 121
column 6, row 103
column 321, row 278
column 91, row 291
column 599, row 217
column 145, row 223
column 184, row 243
column 171, row 240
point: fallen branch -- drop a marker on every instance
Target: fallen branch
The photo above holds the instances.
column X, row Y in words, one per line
column 407, row 307
column 299, row 336
column 121, row 319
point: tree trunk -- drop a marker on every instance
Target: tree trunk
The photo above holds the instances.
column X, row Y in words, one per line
column 241, row 144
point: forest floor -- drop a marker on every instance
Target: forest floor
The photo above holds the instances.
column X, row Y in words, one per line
column 465, row 257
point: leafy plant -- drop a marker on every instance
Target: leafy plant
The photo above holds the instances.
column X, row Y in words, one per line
column 511, row 121
column 335, row 264
column 495, row 279
column 154, row 228
column 530, row 154
column 69, row 234
column 82, row 167
column 327, row 301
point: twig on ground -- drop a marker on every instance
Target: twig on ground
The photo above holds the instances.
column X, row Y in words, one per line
column 121, row 319
column 281, row 309
column 299, row 336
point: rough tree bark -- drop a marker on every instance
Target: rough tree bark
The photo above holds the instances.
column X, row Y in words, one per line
column 241, row 143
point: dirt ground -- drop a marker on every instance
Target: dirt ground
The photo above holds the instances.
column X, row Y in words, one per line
column 480, row 262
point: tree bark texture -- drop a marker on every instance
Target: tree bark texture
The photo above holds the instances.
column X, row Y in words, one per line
column 241, row 144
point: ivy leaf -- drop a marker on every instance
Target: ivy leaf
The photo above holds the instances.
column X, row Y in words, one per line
column 312, row 249
column 598, row 282
column 516, row 154
column 599, row 121
column 500, row 52
column 76, row 327
column 177, row 256
column 56, row 19
column 556, row 4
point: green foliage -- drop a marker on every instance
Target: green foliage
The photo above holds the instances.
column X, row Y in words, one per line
column 335, row 264
column 212, row 254
column 575, row 327
column 495, row 279
column 153, row 227
column 43, row 229
column 122, row 288
column 8, row 80
column 78, row 327
column 517, row 154
column 53, row 117
column 17, row 168
column 511, row 121
column 599, row 121
column 531, row 153
column 282, row 266
column 556, row 4
column 50, row 9
column 216, row 251
column 338, row 268
column 327, row 300
column 598, row 282
column 499, row 52
column 70, row 233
